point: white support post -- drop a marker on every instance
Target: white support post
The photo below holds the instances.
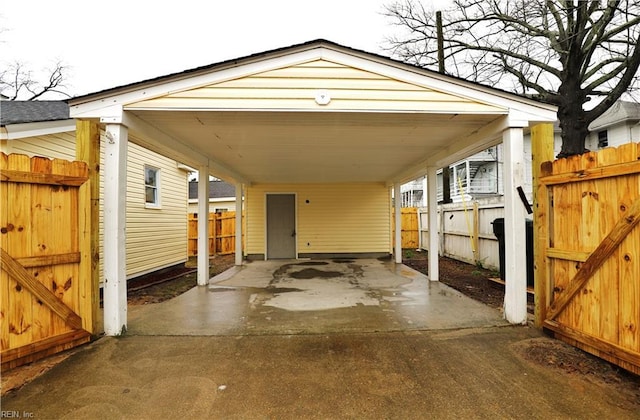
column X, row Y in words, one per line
column 434, row 240
column 239, row 224
column 467, row 179
column 455, row 180
column 203, row 225
column 515, row 298
column 397, row 198
column 424, row 192
column 115, row 257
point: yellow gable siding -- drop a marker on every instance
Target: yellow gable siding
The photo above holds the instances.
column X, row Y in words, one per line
column 155, row 237
column 339, row 218
column 296, row 87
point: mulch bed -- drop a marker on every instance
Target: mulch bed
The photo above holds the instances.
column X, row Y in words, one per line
column 470, row 280
column 172, row 282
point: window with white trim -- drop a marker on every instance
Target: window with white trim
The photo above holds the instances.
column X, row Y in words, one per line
column 151, row 186
column 603, row 139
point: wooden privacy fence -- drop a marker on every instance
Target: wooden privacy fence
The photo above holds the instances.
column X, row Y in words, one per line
column 588, row 252
column 410, row 230
column 47, row 303
column 222, row 233
column 466, row 231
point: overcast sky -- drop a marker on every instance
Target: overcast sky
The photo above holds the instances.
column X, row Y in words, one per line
column 115, row 42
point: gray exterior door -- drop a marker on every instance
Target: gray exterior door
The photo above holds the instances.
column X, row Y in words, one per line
column 281, row 226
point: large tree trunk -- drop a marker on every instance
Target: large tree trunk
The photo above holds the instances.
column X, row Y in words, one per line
column 572, row 117
column 574, row 131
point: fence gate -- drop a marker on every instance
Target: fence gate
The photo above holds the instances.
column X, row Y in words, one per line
column 47, row 301
column 591, row 233
column 410, row 229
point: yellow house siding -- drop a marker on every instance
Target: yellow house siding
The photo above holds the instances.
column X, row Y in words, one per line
column 56, row 146
column 295, row 87
column 155, row 237
column 338, row 218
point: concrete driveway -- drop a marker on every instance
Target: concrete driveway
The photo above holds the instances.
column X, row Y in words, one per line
column 282, row 340
column 302, row 297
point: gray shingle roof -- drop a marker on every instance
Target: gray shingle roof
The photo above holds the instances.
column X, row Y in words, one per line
column 19, row 112
column 621, row 111
column 217, row 189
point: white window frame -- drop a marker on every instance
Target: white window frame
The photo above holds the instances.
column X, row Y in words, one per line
column 157, row 186
column 603, row 139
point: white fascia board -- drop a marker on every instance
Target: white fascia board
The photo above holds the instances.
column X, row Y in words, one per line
column 34, row 129
column 487, row 136
column 185, row 168
column 148, row 136
column 222, row 171
column 99, row 107
column 98, row 111
column 472, row 91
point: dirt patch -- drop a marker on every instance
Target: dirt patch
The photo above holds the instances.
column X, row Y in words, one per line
column 555, row 354
column 470, row 280
column 171, row 283
column 474, row 281
column 16, row 378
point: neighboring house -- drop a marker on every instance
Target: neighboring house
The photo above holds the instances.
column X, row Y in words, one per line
column 618, row 125
column 480, row 175
column 156, row 227
column 222, row 197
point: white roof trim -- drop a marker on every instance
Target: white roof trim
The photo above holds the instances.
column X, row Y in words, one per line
column 442, row 83
column 34, row 129
column 96, row 108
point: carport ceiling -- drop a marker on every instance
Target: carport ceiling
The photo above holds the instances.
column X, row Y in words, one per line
column 315, row 147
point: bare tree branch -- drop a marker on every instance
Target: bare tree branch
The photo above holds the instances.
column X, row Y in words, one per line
column 18, row 82
column 560, row 51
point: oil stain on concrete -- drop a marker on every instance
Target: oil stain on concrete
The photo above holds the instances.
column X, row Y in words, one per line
column 322, row 285
column 293, row 296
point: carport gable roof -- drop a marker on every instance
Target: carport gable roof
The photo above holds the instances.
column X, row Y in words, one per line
column 315, row 112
